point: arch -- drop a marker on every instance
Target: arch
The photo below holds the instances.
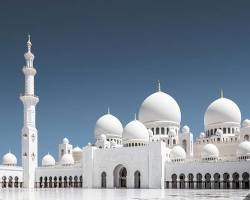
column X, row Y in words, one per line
column 236, row 182
column 70, row 181
column 226, row 182
column 137, row 179
column 182, row 181
column 55, row 181
column 65, row 180
column 174, row 142
column 174, row 181
column 60, row 182
column 4, row 185
column 198, row 181
column 16, row 181
column 184, row 144
column 45, row 182
column 120, row 176
column 10, row 181
column 81, row 180
column 41, row 182
column 245, row 180
column 216, row 181
column 50, row 182
column 104, row 180
column 190, row 181
column 207, row 181
column 75, row 181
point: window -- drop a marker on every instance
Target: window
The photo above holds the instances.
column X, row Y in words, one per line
column 162, row 131
column 229, row 130
column 224, row 130
column 232, row 130
column 167, row 130
column 157, row 131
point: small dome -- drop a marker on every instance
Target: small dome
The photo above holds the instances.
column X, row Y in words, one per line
column 222, row 110
column 77, row 149
column 202, row 135
column 210, row 151
column 65, row 141
column 185, row 129
column 48, row 161
column 171, row 133
column 135, row 130
column 243, row 149
column 9, row 159
column 108, row 125
column 246, row 123
column 67, row 159
column 159, row 107
column 177, row 154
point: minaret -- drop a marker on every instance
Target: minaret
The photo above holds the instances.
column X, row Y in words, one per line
column 29, row 131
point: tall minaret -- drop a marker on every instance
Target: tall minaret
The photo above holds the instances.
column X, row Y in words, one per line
column 29, row 131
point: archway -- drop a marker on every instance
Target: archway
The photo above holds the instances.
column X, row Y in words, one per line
column 10, row 182
column 245, row 180
column 198, row 181
column 137, row 180
column 120, row 176
column 41, row 182
column 216, row 181
column 16, row 182
column 207, row 181
column 60, row 182
column 236, row 182
column 75, row 181
column 182, row 181
column 50, row 182
column 174, row 181
column 190, row 181
column 55, row 181
column 104, row 180
column 226, row 182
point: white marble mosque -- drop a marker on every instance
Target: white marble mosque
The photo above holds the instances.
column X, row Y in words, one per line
column 151, row 151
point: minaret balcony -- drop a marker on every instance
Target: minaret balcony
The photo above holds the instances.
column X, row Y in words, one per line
column 29, row 99
column 29, row 71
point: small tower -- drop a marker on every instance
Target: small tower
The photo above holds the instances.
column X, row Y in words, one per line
column 65, row 148
column 29, row 131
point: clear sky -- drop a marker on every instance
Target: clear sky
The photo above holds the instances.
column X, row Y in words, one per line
column 93, row 54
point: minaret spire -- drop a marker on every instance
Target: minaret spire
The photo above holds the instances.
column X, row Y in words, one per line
column 159, row 86
column 108, row 110
column 221, row 93
column 29, row 131
column 135, row 116
column 29, row 44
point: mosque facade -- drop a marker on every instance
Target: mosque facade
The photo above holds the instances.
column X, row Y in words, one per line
column 153, row 151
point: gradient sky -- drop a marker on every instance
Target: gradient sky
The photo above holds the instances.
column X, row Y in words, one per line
column 93, row 54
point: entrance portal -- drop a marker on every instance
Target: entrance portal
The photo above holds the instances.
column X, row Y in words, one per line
column 120, row 177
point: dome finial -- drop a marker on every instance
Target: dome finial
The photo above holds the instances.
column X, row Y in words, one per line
column 159, row 86
column 135, row 117
column 108, row 110
column 29, row 44
column 221, row 93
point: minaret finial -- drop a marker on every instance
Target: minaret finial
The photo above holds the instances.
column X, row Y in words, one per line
column 159, row 86
column 221, row 93
column 135, row 117
column 29, row 44
column 108, row 110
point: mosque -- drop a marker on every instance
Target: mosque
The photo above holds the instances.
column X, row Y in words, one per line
column 153, row 151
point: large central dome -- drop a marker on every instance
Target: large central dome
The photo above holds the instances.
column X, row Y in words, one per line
column 222, row 110
column 160, row 107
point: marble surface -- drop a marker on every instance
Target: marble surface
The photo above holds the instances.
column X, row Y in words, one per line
column 118, row 194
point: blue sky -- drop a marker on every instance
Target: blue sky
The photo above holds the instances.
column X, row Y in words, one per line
column 91, row 55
